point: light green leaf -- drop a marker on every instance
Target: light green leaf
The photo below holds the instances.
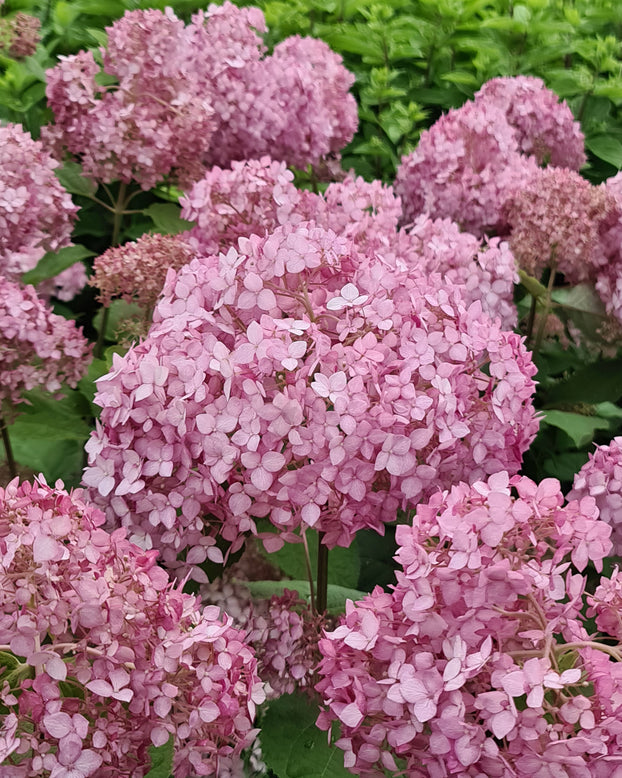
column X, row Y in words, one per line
column 579, row 428
column 335, row 600
column 54, row 262
column 161, row 760
column 166, row 218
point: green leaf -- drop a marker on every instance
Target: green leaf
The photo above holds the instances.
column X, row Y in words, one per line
column 86, row 385
column 579, row 428
column 70, row 176
column 606, row 147
column 54, row 262
column 583, row 306
column 293, row 747
column 343, row 563
column 161, row 764
column 120, row 311
column 166, row 218
column 335, row 600
column 598, row 382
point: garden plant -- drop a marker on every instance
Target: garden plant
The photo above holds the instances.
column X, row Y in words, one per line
column 310, row 389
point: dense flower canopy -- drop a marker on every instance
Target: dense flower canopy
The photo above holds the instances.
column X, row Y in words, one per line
column 475, row 158
column 476, row 663
column 101, row 657
column 179, row 98
column 302, row 379
column 256, row 196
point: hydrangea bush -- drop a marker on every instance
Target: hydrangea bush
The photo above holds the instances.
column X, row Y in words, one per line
column 479, row 662
column 166, row 100
column 300, row 379
column 102, row 656
column 338, row 359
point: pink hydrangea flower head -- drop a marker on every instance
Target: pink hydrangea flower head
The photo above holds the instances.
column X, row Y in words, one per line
column 466, row 166
column 37, row 347
column 22, row 35
column 300, row 378
column 252, row 197
column 152, row 124
column 457, row 670
column 36, row 213
column 557, row 220
column 486, row 270
column 601, row 478
column 609, row 278
column 282, row 630
column 137, row 270
column 544, row 125
column 112, row 658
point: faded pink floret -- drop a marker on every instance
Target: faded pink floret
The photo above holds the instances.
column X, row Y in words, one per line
column 112, row 658
column 302, row 379
column 557, row 220
column 136, row 271
column 187, row 97
column 466, row 166
column 475, row 663
column 36, row 213
column 544, row 125
column 601, row 478
column 20, row 35
column 37, row 347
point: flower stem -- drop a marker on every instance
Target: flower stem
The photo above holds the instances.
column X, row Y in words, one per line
column 10, row 460
column 118, row 211
column 322, row 574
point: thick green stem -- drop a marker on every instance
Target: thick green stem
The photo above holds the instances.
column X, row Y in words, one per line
column 119, row 211
column 10, row 461
column 322, row 574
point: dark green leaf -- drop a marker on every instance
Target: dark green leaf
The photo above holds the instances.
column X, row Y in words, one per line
column 54, row 262
column 293, row 747
column 598, row 382
column 607, row 148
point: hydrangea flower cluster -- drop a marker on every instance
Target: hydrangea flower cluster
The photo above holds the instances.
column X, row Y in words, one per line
column 186, row 97
column 300, row 379
column 256, row 196
column 557, row 221
column 19, row 35
column 102, row 656
column 283, row 632
column 137, row 270
column 545, row 127
column 474, row 158
column 37, row 347
column 478, row 661
column 609, row 278
column 601, row 478
column 36, row 213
